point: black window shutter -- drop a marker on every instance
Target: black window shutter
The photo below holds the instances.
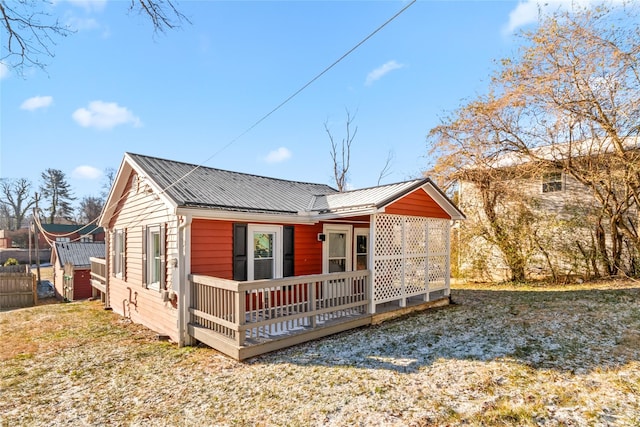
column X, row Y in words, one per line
column 239, row 251
column 287, row 251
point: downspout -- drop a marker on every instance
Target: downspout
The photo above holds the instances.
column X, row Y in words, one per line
column 183, row 288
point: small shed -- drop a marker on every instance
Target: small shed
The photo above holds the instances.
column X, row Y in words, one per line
column 72, row 268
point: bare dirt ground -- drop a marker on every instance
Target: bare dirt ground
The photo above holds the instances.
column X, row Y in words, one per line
column 501, row 355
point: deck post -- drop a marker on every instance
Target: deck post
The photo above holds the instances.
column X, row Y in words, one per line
column 240, row 316
column 313, row 308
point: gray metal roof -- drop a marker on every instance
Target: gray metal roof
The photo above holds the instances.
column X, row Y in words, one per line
column 374, row 196
column 78, row 253
column 200, row 186
column 194, row 186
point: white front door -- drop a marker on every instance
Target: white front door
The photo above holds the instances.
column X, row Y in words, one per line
column 336, row 248
column 265, row 252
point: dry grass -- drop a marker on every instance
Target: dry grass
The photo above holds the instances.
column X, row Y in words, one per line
column 524, row 355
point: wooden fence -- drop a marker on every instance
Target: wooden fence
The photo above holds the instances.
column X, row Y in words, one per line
column 17, row 287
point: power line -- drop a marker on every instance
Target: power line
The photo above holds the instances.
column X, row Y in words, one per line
column 289, row 98
column 293, row 95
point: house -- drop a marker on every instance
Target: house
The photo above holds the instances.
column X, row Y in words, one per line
column 551, row 223
column 69, row 233
column 72, row 268
column 248, row 264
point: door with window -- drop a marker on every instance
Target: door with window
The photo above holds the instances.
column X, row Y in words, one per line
column 337, row 249
column 265, row 252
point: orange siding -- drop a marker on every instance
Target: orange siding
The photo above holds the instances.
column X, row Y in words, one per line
column 212, row 248
column 417, row 203
column 307, row 251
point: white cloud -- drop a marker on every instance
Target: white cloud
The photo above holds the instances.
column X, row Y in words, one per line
column 525, row 13
column 86, row 172
column 529, row 11
column 279, row 155
column 104, row 115
column 89, row 5
column 36, row 102
column 82, row 24
column 381, row 71
column 4, row 71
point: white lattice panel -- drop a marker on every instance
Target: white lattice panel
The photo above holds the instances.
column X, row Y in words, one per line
column 414, row 275
column 411, row 256
column 438, row 236
column 388, row 236
column 415, row 230
column 437, row 271
column 387, row 285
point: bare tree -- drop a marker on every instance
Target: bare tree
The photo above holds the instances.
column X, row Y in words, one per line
column 569, row 101
column 16, row 199
column 386, row 169
column 89, row 209
column 110, row 177
column 30, row 30
column 341, row 153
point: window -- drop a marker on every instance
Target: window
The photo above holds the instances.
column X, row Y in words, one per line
column 154, row 252
column 552, row 182
column 63, row 239
column 87, row 238
column 265, row 252
column 361, row 248
column 119, row 253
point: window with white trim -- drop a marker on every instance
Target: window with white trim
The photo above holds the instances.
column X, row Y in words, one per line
column 118, row 253
column 361, row 249
column 155, row 253
column 552, row 182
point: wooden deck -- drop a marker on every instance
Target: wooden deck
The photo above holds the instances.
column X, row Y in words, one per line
column 245, row 319
column 98, row 277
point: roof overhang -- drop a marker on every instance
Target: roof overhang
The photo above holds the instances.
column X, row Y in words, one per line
column 119, row 186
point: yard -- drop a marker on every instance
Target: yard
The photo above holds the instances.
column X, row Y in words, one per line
column 526, row 355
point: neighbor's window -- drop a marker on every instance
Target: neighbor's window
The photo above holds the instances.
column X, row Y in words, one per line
column 119, row 253
column 63, row 239
column 552, row 182
column 87, row 238
column 154, row 257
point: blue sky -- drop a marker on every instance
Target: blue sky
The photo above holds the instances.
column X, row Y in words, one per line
column 192, row 93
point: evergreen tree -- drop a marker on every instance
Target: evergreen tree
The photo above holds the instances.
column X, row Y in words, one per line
column 55, row 189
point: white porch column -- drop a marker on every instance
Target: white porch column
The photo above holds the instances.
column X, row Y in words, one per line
column 372, row 262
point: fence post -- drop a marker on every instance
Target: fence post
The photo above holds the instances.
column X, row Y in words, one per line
column 34, row 289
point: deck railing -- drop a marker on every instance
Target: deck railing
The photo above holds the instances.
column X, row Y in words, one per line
column 234, row 317
column 99, row 276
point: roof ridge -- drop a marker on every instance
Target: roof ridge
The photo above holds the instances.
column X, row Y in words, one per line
column 227, row 170
column 382, row 186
